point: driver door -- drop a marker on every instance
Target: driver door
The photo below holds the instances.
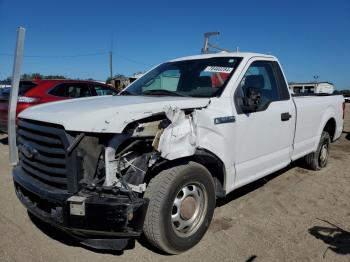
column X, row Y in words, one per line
column 264, row 138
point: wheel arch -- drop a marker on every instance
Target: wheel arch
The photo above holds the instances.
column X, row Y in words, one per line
column 330, row 127
column 328, row 122
column 204, row 157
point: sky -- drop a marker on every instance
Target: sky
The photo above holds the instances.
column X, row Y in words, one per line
column 73, row 38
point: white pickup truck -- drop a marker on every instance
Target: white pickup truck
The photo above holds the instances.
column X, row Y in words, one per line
column 155, row 158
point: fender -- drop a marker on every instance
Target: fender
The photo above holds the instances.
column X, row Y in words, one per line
column 329, row 113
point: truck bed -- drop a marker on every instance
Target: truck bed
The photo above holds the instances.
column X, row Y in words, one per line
column 312, row 112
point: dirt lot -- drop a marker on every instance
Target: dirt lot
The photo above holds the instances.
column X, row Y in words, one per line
column 292, row 215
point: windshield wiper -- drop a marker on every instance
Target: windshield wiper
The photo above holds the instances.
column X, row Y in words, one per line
column 162, row 92
column 125, row 93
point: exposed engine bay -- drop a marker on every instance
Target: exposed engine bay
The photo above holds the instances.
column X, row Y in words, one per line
column 121, row 161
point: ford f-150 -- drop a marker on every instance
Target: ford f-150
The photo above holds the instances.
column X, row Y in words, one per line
column 155, row 158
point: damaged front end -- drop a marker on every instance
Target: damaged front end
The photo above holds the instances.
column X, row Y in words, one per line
column 129, row 156
column 91, row 185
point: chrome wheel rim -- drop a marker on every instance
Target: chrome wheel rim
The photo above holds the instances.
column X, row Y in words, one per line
column 323, row 155
column 189, row 209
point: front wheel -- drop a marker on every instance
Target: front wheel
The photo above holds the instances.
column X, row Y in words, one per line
column 182, row 203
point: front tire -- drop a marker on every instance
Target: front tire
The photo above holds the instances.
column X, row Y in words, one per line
column 182, row 203
column 319, row 159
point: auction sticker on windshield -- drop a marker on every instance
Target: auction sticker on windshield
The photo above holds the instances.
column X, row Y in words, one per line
column 218, row 69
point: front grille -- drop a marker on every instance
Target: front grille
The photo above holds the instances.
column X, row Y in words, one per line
column 42, row 154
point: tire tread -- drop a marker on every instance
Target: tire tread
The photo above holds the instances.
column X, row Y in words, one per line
column 312, row 158
column 157, row 191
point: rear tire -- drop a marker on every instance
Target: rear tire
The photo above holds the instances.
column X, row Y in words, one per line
column 319, row 159
column 182, row 203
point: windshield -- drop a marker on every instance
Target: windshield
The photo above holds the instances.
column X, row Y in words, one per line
column 195, row 78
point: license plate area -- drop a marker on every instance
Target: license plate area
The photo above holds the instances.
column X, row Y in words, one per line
column 77, row 205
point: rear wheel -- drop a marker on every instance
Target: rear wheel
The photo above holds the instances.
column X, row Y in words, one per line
column 319, row 159
column 182, row 202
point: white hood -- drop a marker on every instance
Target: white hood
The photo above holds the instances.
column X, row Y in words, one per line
column 106, row 114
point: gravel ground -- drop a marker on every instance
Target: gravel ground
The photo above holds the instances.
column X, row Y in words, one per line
column 292, row 215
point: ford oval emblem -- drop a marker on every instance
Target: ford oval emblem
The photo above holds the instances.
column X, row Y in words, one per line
column 28, row 151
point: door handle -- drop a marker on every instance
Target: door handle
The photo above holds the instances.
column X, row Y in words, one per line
column 285, row 116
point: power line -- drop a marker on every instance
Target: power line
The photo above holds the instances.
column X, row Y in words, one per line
column 131, row 60
column 58, row 56
column 81, row 55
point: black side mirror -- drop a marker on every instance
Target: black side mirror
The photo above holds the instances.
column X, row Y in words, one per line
column 251, row 100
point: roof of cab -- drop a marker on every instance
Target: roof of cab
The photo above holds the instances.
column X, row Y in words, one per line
column 223, row 54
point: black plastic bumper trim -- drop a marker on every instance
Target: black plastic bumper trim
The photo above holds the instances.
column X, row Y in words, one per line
column 35, row 186
column 112, row 240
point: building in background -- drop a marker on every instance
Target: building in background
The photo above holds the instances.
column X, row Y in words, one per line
column 311, row 88
column 119, row 82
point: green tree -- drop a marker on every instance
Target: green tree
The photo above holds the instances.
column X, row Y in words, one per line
column 31, row 76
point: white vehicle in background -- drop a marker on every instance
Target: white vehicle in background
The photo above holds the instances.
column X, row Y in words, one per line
column 155, row 158
column 311, row 88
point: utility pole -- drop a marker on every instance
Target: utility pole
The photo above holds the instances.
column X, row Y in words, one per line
column 316, row 80
column 111, row 58
column 111, row 64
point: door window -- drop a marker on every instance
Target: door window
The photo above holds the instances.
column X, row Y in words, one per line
column 260, row 75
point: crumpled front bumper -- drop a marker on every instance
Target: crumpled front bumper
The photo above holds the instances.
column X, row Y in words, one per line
column 104, row 221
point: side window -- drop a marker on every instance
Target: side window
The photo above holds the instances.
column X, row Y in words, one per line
column 78, row 90
column 103, row 91
column 73, row 90
column 260, row 75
